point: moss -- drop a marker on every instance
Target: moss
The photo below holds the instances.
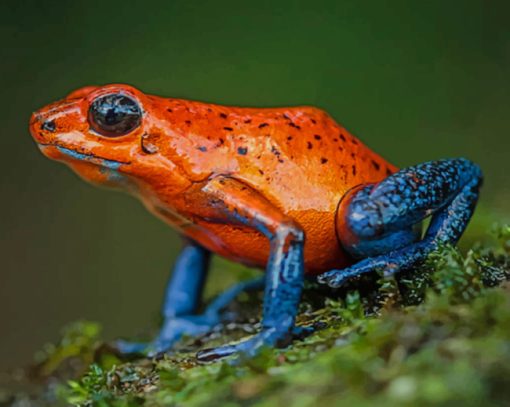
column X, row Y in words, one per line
column 438, row 335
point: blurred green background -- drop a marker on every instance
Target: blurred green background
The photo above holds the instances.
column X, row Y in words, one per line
column 414, row 80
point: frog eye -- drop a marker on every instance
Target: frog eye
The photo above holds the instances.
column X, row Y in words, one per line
column 114, row 115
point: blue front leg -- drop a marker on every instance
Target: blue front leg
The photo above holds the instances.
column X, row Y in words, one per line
column 182, row 298
column 231, row 201
column 377, row 222
column 284, row 282
column 184, row 290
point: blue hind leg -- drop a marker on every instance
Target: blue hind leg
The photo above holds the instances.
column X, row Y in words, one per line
column 182, row 298
column 376, row 222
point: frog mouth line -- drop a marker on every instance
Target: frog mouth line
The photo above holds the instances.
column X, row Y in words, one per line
column 89, row 157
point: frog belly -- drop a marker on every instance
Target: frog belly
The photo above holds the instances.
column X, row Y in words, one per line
column 251, row 248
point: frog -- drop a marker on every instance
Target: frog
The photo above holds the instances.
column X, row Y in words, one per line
column 287, row 190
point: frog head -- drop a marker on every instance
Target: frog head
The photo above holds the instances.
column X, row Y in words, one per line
column 102, row 134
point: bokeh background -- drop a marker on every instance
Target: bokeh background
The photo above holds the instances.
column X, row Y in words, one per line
column 414, row 80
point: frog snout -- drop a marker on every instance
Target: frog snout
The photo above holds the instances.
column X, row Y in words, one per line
column 42, row 128
column 39, row 125
column 44, row 123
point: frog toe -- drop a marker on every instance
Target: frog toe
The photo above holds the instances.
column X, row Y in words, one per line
column 390, row 263
column 248, row 348
column 337, row 278
column 130, row 348
column 252, row 346
column 172, row 331
column 149, row 349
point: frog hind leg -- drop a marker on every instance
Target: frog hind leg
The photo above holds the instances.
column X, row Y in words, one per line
column 182, row 298
column 377, row 222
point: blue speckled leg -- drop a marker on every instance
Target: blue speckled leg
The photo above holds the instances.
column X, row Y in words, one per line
column 377, row 220
column 182, row 298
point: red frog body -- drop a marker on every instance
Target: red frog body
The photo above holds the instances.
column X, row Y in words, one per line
column 298, row 158
column 287, row 189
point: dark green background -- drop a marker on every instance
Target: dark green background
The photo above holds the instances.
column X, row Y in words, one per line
column 415, row 80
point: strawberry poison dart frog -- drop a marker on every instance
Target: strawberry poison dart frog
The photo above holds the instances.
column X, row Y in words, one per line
column 285, row 189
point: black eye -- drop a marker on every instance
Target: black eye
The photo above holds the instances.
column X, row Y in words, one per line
column 114, row 115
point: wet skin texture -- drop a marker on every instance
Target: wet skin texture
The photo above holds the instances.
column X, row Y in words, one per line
column 287, row 189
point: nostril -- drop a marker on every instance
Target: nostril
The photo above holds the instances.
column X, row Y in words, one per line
column 34, row 118
column 49, row 125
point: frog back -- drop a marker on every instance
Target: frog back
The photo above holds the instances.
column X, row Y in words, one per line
column 298, row 158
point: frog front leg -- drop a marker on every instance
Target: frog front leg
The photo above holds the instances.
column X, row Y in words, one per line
column 377, row 222
column 226, row 200
column 182, row 299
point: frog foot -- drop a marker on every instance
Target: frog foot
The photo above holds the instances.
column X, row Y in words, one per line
column 250, row 347
column 175, row 327
column 172, row 331
column 389, row 263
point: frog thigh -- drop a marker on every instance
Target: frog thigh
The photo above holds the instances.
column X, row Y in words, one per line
column 376, row 221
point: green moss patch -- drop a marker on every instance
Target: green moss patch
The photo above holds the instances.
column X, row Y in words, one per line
column 438, row 335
